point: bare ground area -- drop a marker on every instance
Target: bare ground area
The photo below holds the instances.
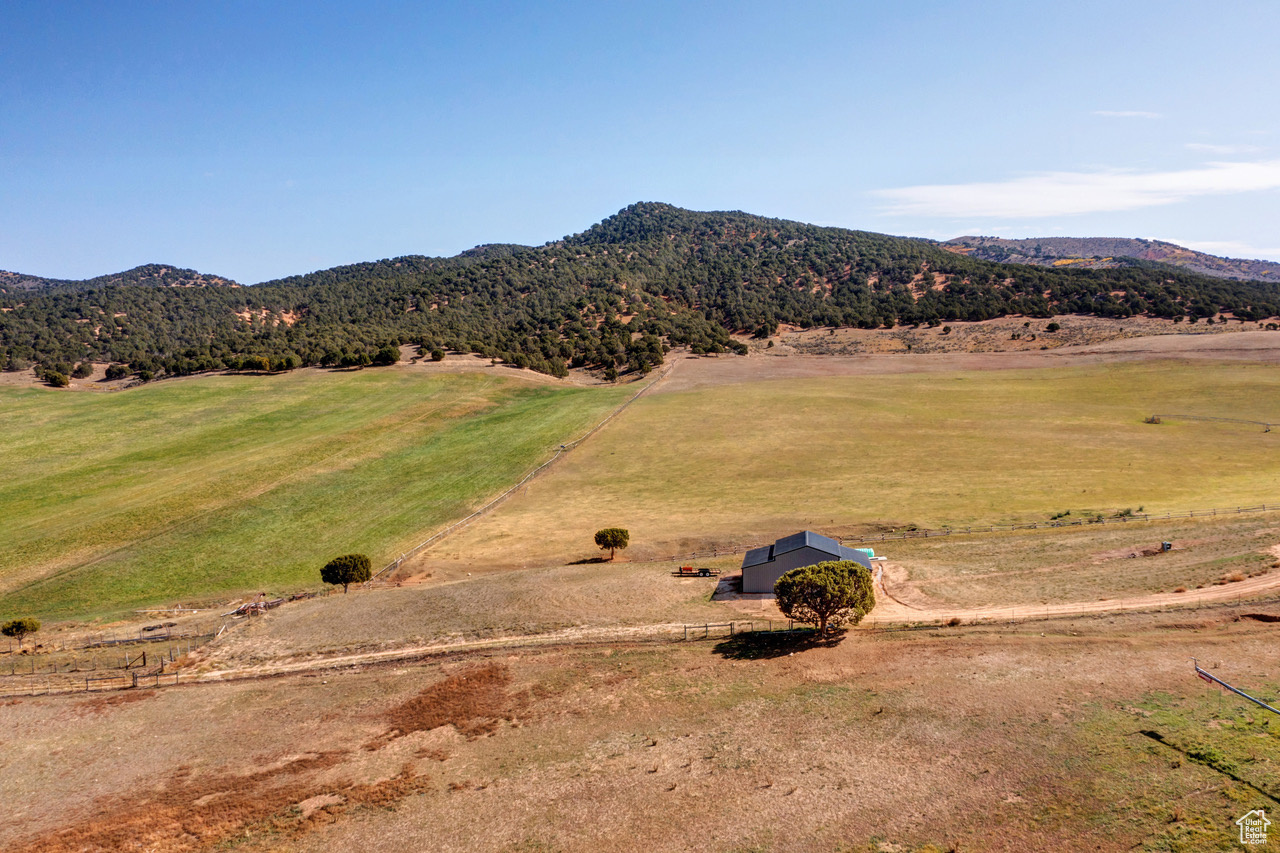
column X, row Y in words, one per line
column 972, row 738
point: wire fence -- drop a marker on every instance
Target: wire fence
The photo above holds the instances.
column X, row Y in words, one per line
column 96, row 667
column 560, row 451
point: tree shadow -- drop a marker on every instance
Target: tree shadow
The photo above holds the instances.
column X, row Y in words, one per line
column 587, row 560
column 766, row 645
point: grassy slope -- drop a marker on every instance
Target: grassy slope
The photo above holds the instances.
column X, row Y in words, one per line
column 1084, row 563
column 188, row 489
column 506, row 603
column 738, row 464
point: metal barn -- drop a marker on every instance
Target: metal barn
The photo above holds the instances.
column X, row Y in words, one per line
column 762, row 567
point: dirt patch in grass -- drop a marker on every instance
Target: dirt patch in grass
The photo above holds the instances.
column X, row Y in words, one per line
column 188, row 813
column 102, row 704
column 474, row 702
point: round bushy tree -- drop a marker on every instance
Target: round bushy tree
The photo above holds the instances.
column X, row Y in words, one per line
column 613, row 538
column 827, row 594
column 20, row 628
column 346, row 570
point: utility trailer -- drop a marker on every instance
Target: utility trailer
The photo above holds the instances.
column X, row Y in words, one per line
column 694, row 572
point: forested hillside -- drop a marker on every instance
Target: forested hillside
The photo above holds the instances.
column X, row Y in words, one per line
column 148, row 275
column 1102, row 252
column 651, row 277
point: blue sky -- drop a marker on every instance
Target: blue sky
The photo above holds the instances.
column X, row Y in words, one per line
column 258, row 140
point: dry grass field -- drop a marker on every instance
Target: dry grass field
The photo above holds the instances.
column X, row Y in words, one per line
column 740, row 463
column 1072, row 734
column 428, row 717
column 538, row 601
column 1084, row 563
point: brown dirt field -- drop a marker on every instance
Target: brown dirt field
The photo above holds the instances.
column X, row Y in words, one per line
column 991, row 738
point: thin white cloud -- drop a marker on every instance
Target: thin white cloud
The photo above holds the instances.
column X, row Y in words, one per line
column 1226, row 150
column 1230, row 249
column 1070, row 193
column 1127, row 114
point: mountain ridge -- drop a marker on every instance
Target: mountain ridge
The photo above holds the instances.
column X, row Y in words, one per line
column 1103, row 252
column 147, row 275
column 613, row 297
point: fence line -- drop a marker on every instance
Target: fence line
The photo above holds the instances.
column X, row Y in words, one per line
column 742, row 626
column 1223, row 420
column 930, row 533
column 160, row 678
column 562, row 449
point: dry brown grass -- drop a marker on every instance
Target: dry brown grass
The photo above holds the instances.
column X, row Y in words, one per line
column 102, row 704
column 1085, row 563
column 473, row 701
column 977, row 736
column 186, row 813
column 486, row 606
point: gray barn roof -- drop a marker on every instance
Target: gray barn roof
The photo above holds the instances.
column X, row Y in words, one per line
column 796, row 541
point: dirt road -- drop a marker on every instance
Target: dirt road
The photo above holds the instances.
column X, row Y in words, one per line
column 889, row 611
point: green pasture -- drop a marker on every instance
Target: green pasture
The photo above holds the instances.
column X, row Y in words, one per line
column 188, row 489
column 1191, row 763
column 742, row 463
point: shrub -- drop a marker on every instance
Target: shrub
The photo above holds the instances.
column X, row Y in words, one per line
column 117, row 371
column 56, row 379
column 83, row 370
column 346, row 570
column 387, row 355
column 20, row 628
column 1052, row 327
column 288, row 361
column 437, row 355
